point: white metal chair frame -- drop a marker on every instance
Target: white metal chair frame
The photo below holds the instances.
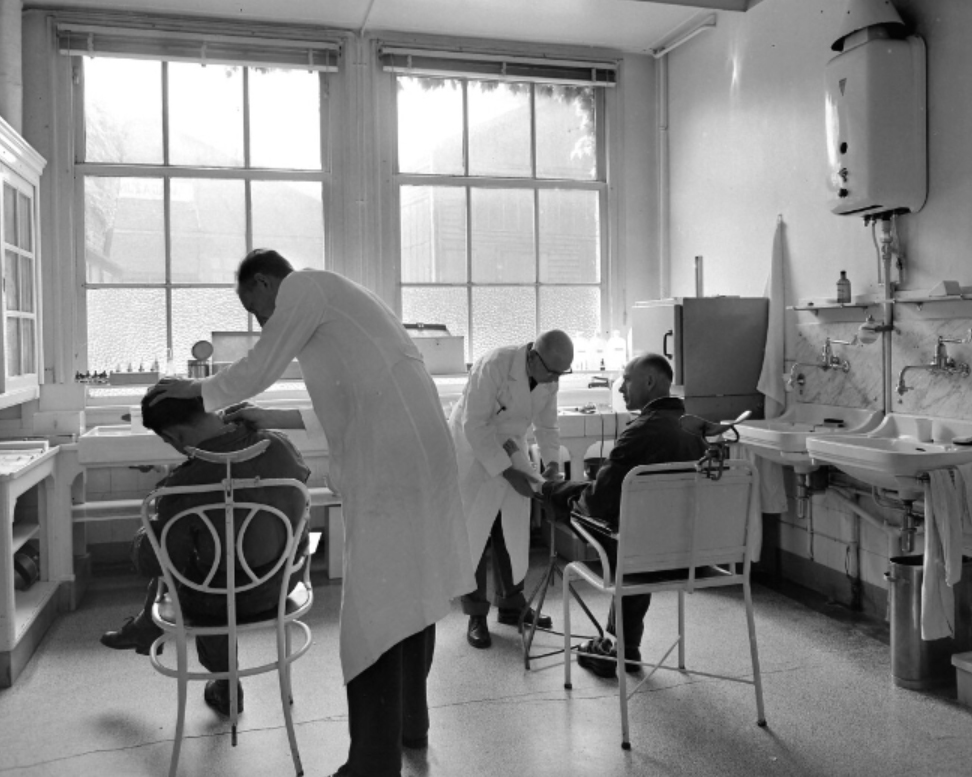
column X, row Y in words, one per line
column 710, row 528
column 289, row 608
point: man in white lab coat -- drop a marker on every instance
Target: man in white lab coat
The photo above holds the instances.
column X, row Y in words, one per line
column 509, row 390
column 406, row 553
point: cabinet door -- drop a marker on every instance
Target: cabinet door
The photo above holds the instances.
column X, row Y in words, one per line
column 19, row 344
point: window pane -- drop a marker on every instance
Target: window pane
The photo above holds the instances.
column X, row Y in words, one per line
column 576, row 310
column 26, row 284
column 205, row 115
column 447, row 306
column 197, row 313
column 502, row 316
column 11, row 275
column 499, row 129
column 570, row 245
column 502, row 236
column 9, row 214
column 285, row 119
column 125, row 326
column 29, row 345
column 565, row 132
column 124, row 230
column 208, row 229
column 430, row 125
column 122, row 110
column 289, row 217
column 23, row 220
column 13, row 346
column 433, row 234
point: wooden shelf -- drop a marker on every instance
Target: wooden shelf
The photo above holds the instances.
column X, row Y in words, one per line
column 814, row 305
column 23, row 532
column 29, row 604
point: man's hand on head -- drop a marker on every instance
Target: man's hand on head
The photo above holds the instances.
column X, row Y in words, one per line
column 174, row 388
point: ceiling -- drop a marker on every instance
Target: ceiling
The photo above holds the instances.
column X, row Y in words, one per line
column 628, row 25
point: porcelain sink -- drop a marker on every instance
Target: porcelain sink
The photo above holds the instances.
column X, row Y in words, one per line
column 897, row 453
column 784, row 439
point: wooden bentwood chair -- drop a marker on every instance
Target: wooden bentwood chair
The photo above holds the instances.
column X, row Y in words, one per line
column 178, row 628
column 682, row 528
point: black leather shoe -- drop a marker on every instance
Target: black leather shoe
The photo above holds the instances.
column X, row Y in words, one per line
column 134, row 634
column 599, row 657
column 217, row 696
column 477, row 634
column 512, row 618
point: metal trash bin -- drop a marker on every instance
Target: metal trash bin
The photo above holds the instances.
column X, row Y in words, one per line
column 915, row 663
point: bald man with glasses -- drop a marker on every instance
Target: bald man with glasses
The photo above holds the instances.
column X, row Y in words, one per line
column 510, row 390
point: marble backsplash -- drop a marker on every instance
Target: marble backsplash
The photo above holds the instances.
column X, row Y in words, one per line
column 914, row 341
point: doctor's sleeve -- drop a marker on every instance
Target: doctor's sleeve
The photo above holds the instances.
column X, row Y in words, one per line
column 546, row 428
column 479, row 410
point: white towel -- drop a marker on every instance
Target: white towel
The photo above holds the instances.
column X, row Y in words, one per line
column 771, row 377
column 946, row 512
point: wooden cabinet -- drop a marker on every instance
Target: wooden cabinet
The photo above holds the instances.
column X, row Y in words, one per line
column 20, row 315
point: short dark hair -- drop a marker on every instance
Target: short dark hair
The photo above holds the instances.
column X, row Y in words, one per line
column 658, row 363
column 262, row 260
column 170, row 412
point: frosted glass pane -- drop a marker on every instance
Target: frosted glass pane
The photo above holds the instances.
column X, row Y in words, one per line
column 124, row 230
column 205, row 115
column 285, row 119
column 9, row 214
column 24, row 215
column 208, row 229
column 125, row 326
column 430, row 125
column 433, row 227
column 576, row 310
column 288, row 216
column 437, row 306
column 28, row 340
column 197, row 313
column 570, row 244
column 503, row 249
column 499, row 129
column 26, row 284
column 13, row 346
column 11, row 275
column 566, row 141
column 123, row 110
column 502, row 316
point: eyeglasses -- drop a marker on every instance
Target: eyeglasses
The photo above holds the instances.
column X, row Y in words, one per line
column 555, row 373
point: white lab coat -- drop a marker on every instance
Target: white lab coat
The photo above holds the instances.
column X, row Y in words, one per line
column 495, row 406
column 391, row 458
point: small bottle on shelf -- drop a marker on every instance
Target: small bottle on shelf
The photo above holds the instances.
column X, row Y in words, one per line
column 843, row 288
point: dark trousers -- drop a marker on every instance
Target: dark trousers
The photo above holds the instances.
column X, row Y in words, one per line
column 509, row 595
column 387, row 704
column 633, row 612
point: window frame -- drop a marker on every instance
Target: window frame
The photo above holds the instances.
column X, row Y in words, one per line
column 600, row 184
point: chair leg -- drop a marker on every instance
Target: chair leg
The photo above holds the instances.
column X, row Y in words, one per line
column 289, row 647
column 286, row 700
column 757, row 680
column 567, row 651
column 527, row 634
column 622, row 674
column 182, row 662
column 681, row 630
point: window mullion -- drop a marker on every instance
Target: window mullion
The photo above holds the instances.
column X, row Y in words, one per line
column 468, row 189
column 167, row 217
column 247, row 182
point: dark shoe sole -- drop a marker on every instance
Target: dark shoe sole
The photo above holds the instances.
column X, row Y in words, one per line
column 606, row 668
column 479, row 644
column 543, row 622
column 418, row 743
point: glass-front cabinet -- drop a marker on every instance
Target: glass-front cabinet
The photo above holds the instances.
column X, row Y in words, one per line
column 20, row 357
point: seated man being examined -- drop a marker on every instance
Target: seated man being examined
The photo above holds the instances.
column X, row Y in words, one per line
column 654, row 437
column 183, row 423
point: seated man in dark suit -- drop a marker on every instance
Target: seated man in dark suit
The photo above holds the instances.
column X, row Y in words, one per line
column 654, row 437
column 183, row 423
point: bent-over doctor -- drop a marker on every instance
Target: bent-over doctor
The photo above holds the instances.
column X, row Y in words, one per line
column 406, row 553
column 509, row 390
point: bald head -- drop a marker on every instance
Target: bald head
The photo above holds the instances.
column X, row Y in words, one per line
column 646, row 377
column 551, row 356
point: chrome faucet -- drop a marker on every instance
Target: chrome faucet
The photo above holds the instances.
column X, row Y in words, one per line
column 942, row 363
column 828, row 361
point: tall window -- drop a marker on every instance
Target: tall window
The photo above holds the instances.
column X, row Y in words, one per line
column 185, row 167
column 502, row 199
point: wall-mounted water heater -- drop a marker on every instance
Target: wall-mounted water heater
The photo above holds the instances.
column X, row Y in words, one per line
column 875, row 112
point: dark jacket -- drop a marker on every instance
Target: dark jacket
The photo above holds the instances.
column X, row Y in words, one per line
column 654, row 437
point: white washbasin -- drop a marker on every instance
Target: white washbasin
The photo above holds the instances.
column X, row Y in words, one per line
column 897, row 453
column 784, row 439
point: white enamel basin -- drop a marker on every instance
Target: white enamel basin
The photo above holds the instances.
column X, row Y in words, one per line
column 897, row 453
column 784, row 439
